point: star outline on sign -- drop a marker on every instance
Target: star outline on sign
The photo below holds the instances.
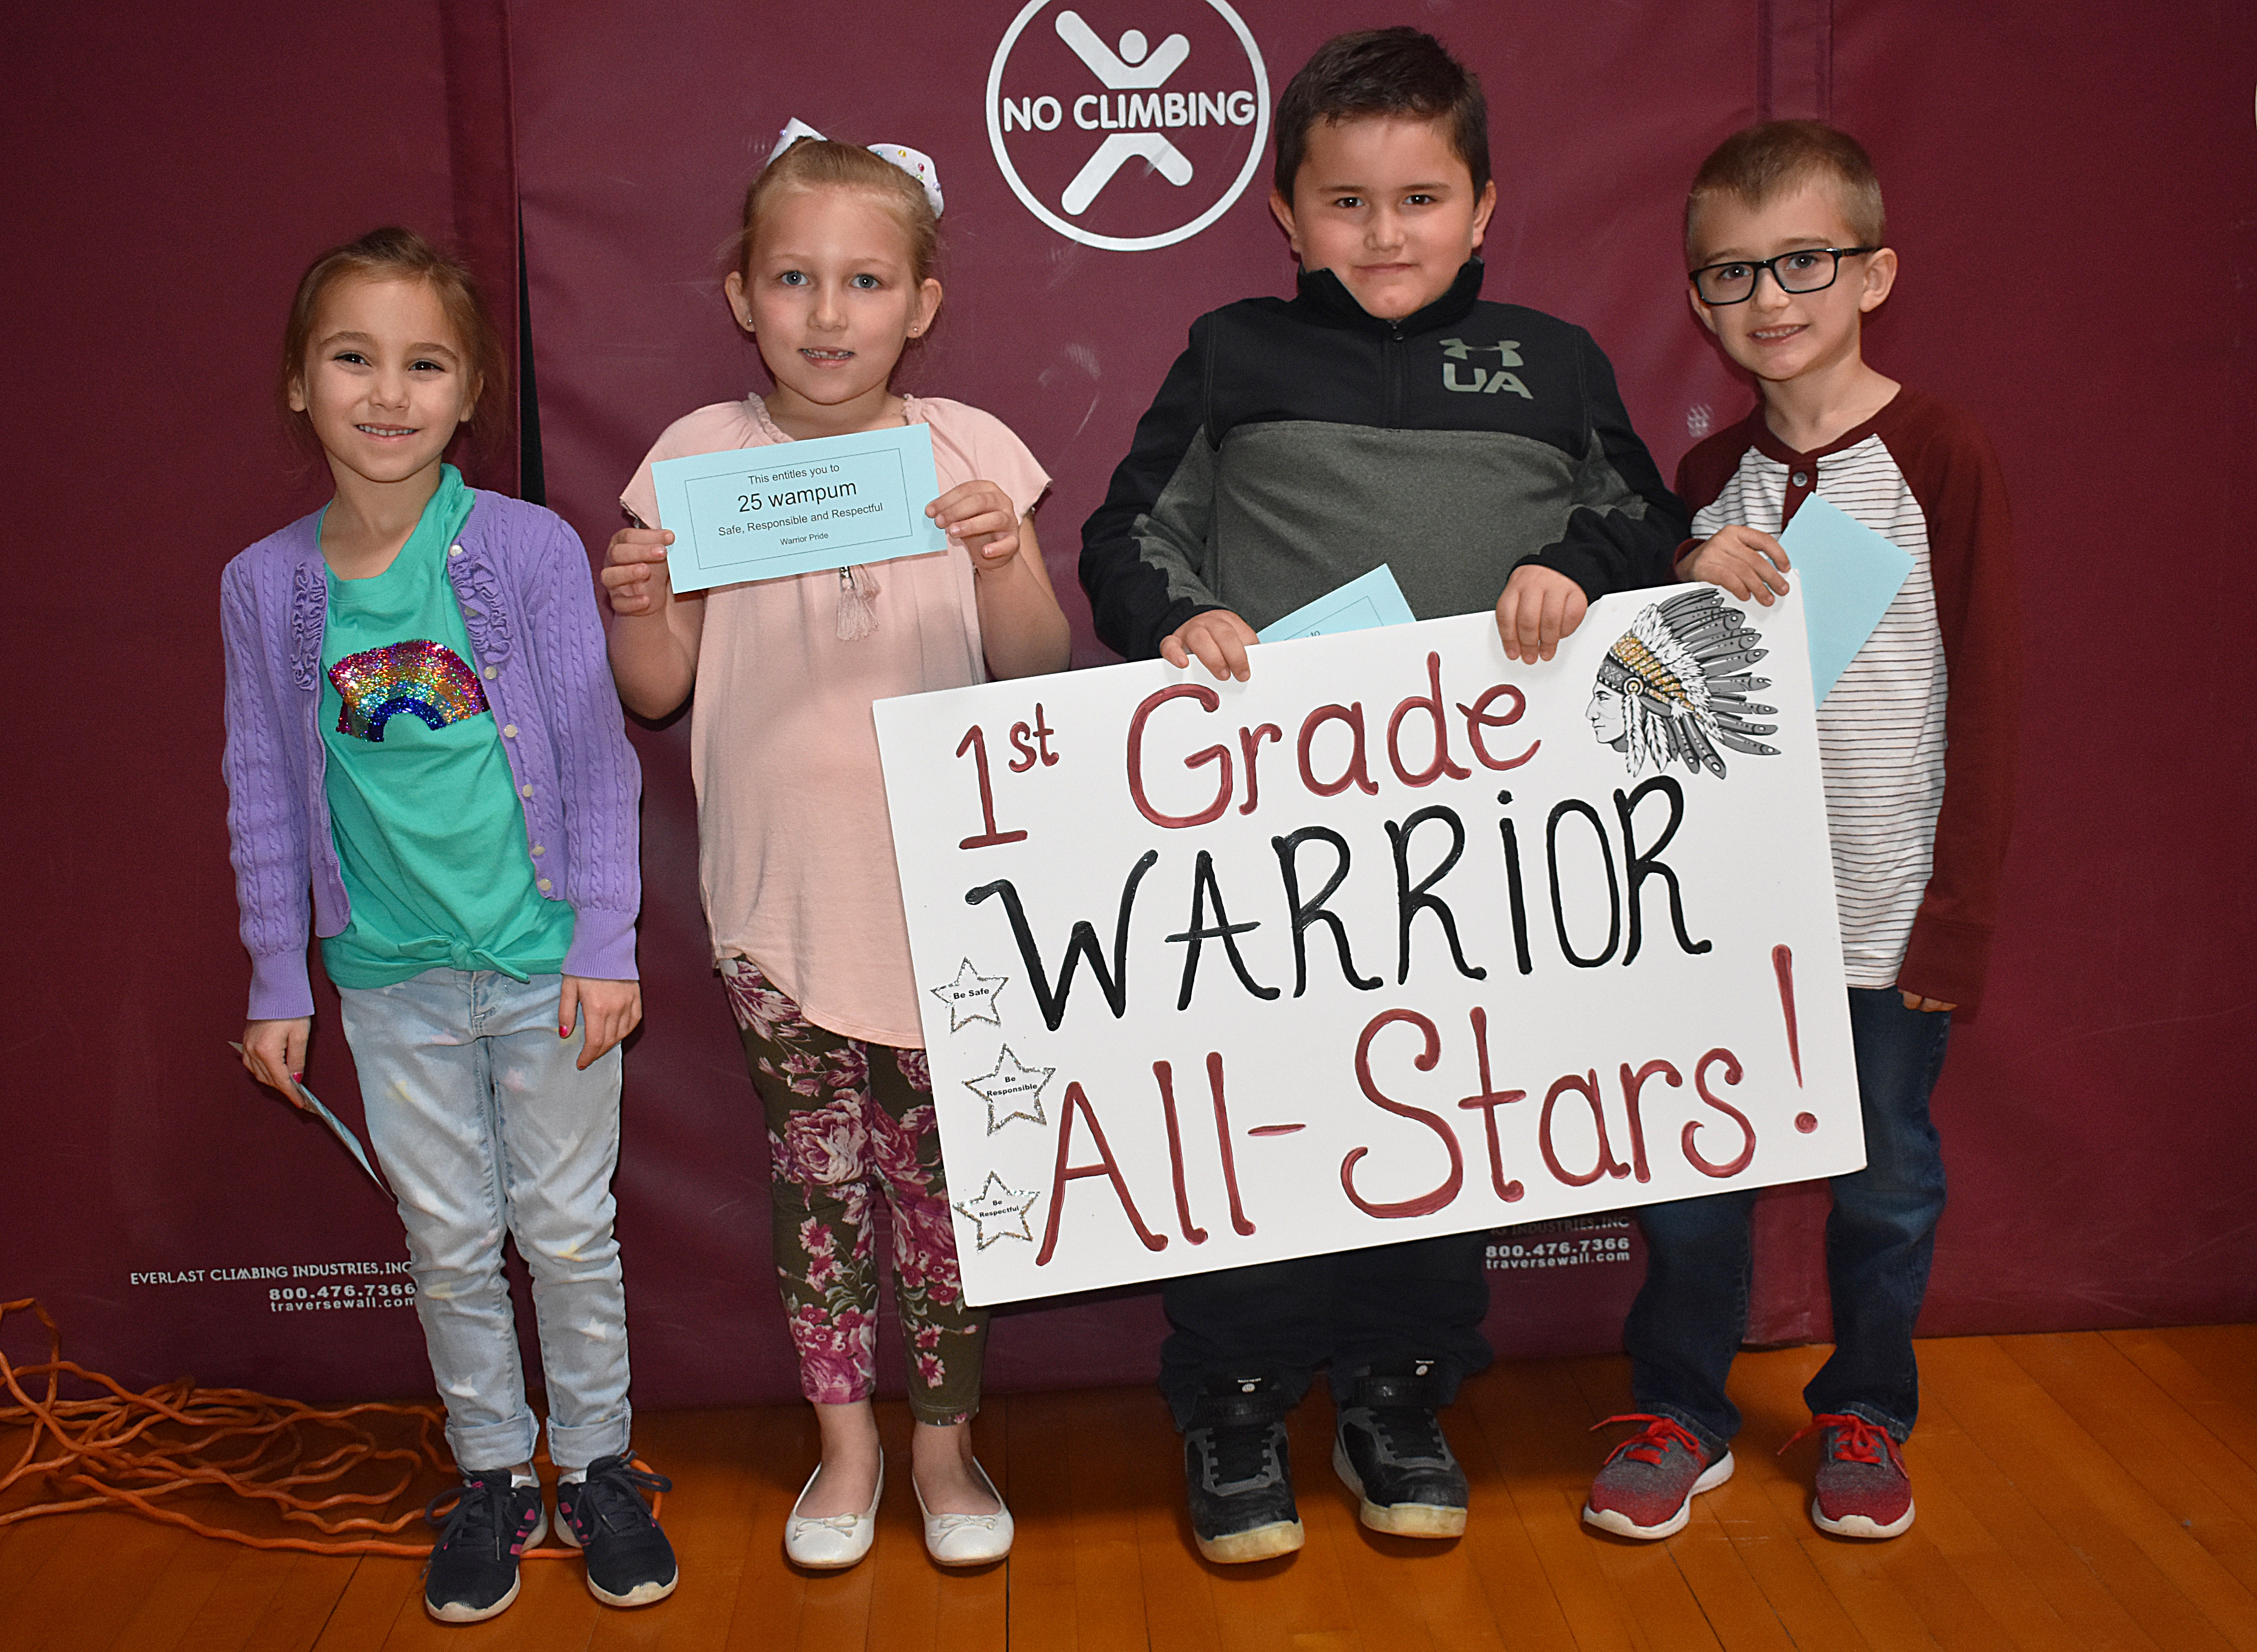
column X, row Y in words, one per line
column 963, row 994
column 1010, row 1073
column 999, row 1204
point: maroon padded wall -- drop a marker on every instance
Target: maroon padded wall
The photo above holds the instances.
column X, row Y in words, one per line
column 2077, row 191
column 171, row 172
column 2071, row 190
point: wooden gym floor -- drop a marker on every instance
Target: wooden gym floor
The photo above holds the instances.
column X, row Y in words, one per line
column 2084, row 1491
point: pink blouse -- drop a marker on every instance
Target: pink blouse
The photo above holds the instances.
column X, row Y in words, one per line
column 795, row 851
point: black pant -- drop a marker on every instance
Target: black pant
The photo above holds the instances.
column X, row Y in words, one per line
column 1354, row 1309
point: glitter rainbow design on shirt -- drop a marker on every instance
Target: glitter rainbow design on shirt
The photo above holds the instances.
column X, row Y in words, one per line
column 425, row 678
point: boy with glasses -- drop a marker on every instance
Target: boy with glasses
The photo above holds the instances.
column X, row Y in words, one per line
column 1783, row 231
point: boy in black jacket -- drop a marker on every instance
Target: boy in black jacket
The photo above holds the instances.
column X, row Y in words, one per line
column 1385, row 414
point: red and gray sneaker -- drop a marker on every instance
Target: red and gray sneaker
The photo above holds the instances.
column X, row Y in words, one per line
column 1863, row 1488
column 1645, row 1488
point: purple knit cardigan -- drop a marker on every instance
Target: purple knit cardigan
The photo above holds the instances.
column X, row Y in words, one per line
column 530, row 605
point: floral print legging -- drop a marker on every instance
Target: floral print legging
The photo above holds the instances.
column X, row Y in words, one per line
column 844, row 1115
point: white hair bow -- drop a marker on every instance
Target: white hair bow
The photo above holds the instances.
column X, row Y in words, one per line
column 914, row 162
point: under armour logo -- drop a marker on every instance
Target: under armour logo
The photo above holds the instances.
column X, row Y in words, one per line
column 1483, row 381
column 1508, row 350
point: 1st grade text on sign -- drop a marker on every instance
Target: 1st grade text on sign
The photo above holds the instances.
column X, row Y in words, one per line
column 1393, row 941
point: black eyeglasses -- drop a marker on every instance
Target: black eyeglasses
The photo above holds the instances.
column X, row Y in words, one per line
column 1807, row 270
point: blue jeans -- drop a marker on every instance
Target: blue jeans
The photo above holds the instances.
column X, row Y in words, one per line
column 1692, row 1311
column 486, row 1127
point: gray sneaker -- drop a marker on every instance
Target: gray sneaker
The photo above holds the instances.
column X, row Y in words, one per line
column 1391, row 1452
column 1238, row 1473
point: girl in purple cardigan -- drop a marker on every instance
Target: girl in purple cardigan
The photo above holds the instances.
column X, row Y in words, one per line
column 422, row 732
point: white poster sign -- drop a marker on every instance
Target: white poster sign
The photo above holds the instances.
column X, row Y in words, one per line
column 1399, row 938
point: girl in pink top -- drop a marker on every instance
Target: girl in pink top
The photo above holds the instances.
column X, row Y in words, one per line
column 833, row 277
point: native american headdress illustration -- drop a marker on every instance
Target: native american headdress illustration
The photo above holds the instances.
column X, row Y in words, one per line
column 1678, row 676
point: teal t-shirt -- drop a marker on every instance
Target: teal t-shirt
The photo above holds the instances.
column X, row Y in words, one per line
column 429, row 834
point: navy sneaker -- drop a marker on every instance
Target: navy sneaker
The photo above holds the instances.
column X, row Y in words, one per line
column 1238, row 1473
column 473, row 1570
column 1390, row 1451
column 630, row 1563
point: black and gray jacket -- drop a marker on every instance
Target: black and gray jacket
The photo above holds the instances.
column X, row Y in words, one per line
column 1297, row 444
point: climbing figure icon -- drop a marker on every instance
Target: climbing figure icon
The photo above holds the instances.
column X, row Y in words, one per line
column 1127, row 138
column 1136, row 66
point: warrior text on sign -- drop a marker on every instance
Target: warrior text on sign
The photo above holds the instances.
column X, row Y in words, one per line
column 1399, row 938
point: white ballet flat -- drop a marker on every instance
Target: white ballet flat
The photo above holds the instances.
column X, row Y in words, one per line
column 832, row 1542
column 968, row 1540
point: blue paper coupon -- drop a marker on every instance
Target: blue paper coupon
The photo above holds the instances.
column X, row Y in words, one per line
column 1849, row 575
column 798, row 506
column 338, row 1128
column 1364, row 604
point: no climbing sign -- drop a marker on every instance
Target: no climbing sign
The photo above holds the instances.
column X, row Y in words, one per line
column 1399, row 938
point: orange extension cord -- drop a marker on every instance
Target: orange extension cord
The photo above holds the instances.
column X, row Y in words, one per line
column 275, row 1453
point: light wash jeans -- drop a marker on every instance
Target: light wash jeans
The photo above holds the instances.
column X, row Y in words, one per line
column 485, row 1125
